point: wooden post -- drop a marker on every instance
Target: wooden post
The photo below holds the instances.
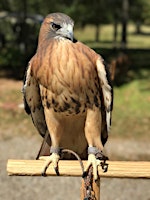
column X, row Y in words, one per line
column 96, row 189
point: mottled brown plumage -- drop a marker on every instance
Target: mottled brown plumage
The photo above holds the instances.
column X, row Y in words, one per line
column 67, row 91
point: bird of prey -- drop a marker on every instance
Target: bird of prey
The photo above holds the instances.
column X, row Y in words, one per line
column 68, row 93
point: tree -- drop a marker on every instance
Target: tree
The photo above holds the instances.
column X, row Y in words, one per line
column 115, row 11
column 94, row 13
column 140, row 13
column 125, row 9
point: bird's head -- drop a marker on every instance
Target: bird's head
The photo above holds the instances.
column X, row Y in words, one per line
column 57, row 25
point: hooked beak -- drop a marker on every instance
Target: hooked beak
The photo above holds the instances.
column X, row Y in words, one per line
column 66, row 31
column 69, row 36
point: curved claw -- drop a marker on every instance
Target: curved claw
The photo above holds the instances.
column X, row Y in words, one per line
column 94, row 162
column 53, row 158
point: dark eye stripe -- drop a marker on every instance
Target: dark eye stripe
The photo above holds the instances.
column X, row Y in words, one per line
column 55, row 26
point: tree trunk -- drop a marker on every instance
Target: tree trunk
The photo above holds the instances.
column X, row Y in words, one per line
column 97, row 33
column 115, row 33
column 23, row 32
column 125, row 6
column 138, row 27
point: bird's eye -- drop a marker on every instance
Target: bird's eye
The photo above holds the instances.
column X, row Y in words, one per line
column 55, row 27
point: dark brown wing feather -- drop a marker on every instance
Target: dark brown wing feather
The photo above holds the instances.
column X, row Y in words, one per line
column 33, row 106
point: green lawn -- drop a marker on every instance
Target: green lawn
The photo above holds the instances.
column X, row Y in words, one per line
column 87, row 35
column 131, row 114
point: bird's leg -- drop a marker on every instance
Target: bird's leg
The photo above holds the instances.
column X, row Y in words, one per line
column 92, row 134
column 56, row 130
column 53, row 158
column 95, row 157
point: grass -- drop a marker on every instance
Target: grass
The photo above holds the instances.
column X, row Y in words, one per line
column 14, row 120
column 131, row 115
column 87, row 35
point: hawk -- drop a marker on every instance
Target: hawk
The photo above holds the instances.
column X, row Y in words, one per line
column 68, row 93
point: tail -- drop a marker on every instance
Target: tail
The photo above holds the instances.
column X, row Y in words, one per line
column 45, row 146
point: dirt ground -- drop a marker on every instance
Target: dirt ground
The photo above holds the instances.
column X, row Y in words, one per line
column 58, row 188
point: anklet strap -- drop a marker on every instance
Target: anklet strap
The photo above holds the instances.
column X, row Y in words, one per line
column 93, row 150
column 55, row 150
column 98, row 153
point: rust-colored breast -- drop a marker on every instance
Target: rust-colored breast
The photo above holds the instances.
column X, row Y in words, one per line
column 67, row 74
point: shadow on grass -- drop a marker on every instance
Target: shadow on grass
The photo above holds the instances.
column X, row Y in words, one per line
column 138, row 66
column 97, row 42
column 141, row 34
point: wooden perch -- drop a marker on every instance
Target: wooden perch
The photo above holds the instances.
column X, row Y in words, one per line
column 116, row 169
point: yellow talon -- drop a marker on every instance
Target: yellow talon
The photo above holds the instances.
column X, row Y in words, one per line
column 94, row 162
column 53, row 158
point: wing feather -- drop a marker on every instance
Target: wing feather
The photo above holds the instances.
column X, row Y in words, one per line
column 107, row 90
column 33, row 104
